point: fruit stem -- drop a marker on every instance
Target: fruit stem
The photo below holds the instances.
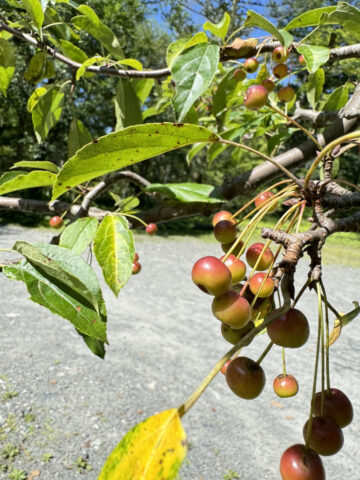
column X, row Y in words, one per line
column 327, row 338
column 265, row 352
column 283, row 361
column 328, row 148
column 265, row 157
column 133, row 216
column 312, row 404
column 294, row 122
column 192, row 399
column 302, row 290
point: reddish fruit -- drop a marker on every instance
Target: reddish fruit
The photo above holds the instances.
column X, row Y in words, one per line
column 224, row 367
column 263, row 199
column 336, row 405
column 245, row 377
column 251, row 65
column 56, row 222
column 301, row 60
column 239, row 74
column 254, row 252
column 268, row 84
column 237, row 268
column 255, row 97
column 225, row 231
column 280, row 71
column 286, row 94
column 326, row 437
column 226, row 247
column 136, row 267
column 255, row 285
column 285, row 386
column 280, row 55
column 232, row 309
column 136, row 257
column 301, row 463
column 151, row 228
column 233, row 336
column 211, row 276
column 223, row 215
column 290, row 330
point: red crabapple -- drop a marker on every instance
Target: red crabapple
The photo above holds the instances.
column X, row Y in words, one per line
column 211, row 276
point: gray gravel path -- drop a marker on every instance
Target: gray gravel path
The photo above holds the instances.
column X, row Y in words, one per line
column 58, row 402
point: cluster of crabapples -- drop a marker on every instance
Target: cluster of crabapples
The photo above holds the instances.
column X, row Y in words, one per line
column 240, row 302
column 257, row 95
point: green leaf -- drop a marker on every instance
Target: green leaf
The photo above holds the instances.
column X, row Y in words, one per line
column 114, row 250
column 91, row 23
column 142, row 87
column 254, row 19
column 347, row 16
column 13, row 181
column 334, row 171
column 58, row 299
column 193, row 71
column 182, row 44
column 314, row 55
column 38, row 164
column 342, row 321
column 47, row 112
column 127, row 147
column 96, row 346
column 315, row 87
column 217, row 148
column 36, row 68
column 337, row 99
column 66, row 267
column 78, row 235
column 7, row 65
column 219, row 29
column 310, row 18
column 153, row 449
column 194, row 151
column 125, row 204
column 79, row 136
column 87, row 63
column 127, row 105
column 36, row 95
column 35, row 10
column 185, row 192
column 131, row 62
column 72, row 51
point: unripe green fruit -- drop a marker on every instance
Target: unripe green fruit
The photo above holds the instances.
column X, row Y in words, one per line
column 239, row 74
column 286, row 94
column 251, row 65
column 233, row 336
column 255, row 97
column 280, row 55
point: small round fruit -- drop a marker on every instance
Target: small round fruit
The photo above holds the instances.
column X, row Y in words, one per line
column 136, row 267
column 224, row 367
column 255, row 97
column 290, row 330
column 263, row 199
column 211, row 276
column 237, row 268
column 268, row 84
column 232, row 309
column 245, row 377
column 226, row 247
column 233, row 336
column 225, row 231
column 254, row 252
column 255, row 285
column 286, row 94
column 301, row 463
column 301, row 60
column 136, row 257
column 251, row 65
column 280, row 71
column 285, row 386
column 239, row 74
column 336, row 405
column 56, row 222
column 326, row 437
column 151, row 228
column 223, row 215
column 280, row 55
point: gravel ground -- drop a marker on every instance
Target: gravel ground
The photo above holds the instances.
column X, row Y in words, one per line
column 62, row 410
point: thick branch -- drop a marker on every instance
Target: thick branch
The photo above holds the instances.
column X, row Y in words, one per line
column 319, row 119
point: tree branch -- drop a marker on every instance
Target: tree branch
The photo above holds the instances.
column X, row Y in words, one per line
column 319, row 119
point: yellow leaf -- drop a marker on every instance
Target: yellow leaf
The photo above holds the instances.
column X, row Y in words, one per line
column 152, row 450
column 342, row 321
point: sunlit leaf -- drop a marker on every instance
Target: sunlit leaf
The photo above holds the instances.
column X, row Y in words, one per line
column 153, row 449
column 127, row 147
column 348, row 16
column 219, row 29
column 73, row 52
column 13, row 181
column 309, row 18
column 79, row 136
column 314, row 55
column 194, row 151
column 114, row 250
column 185, row 192
column 254, row 19
column 315, row 87
column 127, row 105
column 7, row 65
column 88, row 63
column 342, row 321
column 337, row 99
column 175, row 48
column 193, row 71
column 78, row 235
column 47, row 112
column 37, row 164
column 35, row 11
column 142, row 87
